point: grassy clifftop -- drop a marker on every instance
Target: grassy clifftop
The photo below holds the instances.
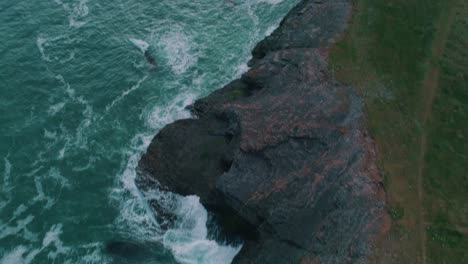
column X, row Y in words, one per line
column 409, row 59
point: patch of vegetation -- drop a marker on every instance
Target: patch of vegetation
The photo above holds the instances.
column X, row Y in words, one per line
column 444, row 236
column 238, row 93
column 446, row 244
column 397, row 213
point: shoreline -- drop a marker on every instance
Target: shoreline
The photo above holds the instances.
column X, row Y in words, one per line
column 282, row 155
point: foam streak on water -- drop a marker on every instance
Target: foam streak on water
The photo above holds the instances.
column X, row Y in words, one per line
column 6, row 173
column 141, row 44
column 125, row 93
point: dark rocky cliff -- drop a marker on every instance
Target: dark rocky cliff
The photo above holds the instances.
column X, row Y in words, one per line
column 282, row 154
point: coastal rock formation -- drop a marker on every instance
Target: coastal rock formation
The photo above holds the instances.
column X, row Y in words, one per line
column 281, row 154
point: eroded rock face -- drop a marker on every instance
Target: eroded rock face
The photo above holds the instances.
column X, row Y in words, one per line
column 284, row 149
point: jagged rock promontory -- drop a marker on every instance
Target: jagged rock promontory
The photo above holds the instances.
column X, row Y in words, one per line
column 282, row 154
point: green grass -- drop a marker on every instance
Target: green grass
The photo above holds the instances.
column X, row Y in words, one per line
column 445, row 243
column 443, row 233
column 238, row 93
column 387, row 54
column 397, row 213
column 447, row 157
column 446, row 173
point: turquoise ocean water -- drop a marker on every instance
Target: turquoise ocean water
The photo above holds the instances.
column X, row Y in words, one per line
column 79, row 104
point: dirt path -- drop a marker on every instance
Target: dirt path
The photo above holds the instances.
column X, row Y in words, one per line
column 462, row 229
column 429, row 88
column 459, row 227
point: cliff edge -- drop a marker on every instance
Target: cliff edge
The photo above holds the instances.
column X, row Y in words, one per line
column 282, row 155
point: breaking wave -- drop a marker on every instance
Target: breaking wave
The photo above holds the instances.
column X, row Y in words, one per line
column 188, row 240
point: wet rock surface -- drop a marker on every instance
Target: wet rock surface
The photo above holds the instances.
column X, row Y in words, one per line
column 282, row 152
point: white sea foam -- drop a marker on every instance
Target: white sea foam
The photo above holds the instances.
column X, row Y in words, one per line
column 134, row 214
column 141, row 44
column 78, row 140
column 41, row 195
column 34, row 172
column 55, row 139
column 177, row 47
column 19, row 210
column 73, row 22
column 61, row 153
column 47, row 44
column 188, row 240
column 3, row 203
column 70, row 58
column 14, row 256
column 41, row 43
column 19, row 255
column 93, row 255
column 49, row 134
column 81, row 139
column 64, row 5
column 25, row 254
column 52, row 237
column 54, row 109
column 55, row 174
column 6, row 173
column 91, row 161
column 161, row 115
column 270, row 30
column 6, row 187
column 241, row 69
column 21, row 226
column 125, row 93
column 81, row 9
column 66, row 86
column 272, row 2
column 76, row 13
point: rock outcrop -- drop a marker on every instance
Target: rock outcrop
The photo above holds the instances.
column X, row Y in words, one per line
column 282, row 154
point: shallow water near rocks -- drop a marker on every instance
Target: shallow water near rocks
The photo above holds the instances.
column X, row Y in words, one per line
column 80, row 103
